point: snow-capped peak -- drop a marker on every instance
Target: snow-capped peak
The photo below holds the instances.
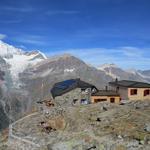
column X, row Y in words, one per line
column 36, row 53
column 104, row 66
column 42, row 54
column 108, row 69
column 18, row 59
column 8, row 50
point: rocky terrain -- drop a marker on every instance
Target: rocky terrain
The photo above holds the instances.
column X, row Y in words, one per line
column 102, row 126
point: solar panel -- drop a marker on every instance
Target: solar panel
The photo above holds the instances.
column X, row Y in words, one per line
column 60, row 86
column 68, row 82
column 65, row 84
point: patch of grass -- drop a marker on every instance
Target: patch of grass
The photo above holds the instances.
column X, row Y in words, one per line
column 120, row 147
column 139, row 135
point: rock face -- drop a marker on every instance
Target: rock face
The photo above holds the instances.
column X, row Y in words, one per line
column 4, row 120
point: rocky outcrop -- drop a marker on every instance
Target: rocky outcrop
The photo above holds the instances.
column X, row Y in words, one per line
column 4, row 120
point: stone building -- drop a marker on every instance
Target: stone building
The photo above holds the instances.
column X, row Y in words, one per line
column 72, row 92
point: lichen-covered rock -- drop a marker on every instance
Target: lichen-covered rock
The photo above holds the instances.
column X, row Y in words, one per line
column 147, row 127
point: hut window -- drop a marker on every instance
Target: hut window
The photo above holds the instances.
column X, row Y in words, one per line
column 112, row 100
column 133, row 92
column 146, row 92
column 84, row 101
column 99, row 100
column 82, row 90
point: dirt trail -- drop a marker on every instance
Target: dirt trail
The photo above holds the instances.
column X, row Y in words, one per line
column 17, row 138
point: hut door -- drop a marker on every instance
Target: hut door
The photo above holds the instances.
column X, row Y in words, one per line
column 112, row 100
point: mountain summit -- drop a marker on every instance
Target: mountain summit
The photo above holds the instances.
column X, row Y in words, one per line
column 18, row 60
column 7, row 50
column 104, row 66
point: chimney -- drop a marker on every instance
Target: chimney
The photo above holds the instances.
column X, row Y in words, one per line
column 116, row 80
column 106, row 88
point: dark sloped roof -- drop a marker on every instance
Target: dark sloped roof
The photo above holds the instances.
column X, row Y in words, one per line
column 63, row 87
column 130, row 84
column 105, row 93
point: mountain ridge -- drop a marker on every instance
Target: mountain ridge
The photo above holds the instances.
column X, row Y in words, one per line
column 131, row 74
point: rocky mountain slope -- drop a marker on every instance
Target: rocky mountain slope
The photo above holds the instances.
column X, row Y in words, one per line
column 115, row 72
column 145, row 74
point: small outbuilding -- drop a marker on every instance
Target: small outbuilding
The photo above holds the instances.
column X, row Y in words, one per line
column 105, row 95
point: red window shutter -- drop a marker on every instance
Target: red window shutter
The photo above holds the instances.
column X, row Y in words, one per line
column 131, row 92
column 146, row 92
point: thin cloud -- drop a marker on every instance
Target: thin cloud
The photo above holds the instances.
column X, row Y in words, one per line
column 32, row 39
column 17, row 9
column 10, row 21
column 132, row 51
column 2, row 36
column 61, row 12
column 126, row 57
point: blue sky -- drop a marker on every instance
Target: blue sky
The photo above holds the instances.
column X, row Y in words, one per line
column 97, row 31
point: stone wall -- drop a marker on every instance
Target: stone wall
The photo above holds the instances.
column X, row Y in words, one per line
column 67, row 98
